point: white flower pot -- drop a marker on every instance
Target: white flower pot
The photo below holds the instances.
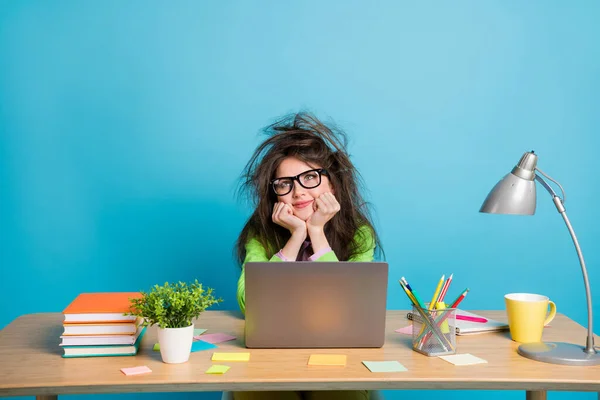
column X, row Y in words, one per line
column 175, row 344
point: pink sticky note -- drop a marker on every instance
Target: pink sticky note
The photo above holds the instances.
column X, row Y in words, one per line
column 407, row 330
column 216, row 338
column 136, row 370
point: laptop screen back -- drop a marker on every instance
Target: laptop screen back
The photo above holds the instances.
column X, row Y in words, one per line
column 315, row 304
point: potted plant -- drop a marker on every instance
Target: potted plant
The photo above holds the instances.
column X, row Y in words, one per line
column 173, row 307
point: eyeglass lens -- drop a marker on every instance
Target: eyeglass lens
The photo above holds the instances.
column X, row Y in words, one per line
column 308, row 180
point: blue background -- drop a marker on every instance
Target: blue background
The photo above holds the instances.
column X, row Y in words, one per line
column 125, row 125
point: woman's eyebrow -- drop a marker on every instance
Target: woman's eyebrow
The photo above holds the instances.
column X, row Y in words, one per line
column 293, row 176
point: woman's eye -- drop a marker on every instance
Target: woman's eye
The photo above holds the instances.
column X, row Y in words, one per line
column 282, row 185
column 310, row 176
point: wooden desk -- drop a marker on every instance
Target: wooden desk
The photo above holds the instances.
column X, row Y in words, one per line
column 31, row 364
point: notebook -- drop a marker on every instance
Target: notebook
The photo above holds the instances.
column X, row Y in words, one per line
column 305, row 304
column 103, row 351
column 468, row 327
column 98, row 329
column 101, row 340
column 100, row 307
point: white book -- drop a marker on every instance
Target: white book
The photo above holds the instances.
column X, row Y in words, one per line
column 468, row 327
column 101, row 340
column 100, row 329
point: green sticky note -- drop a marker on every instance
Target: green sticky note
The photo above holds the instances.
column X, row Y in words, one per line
column 156, row 347
column 217, row 369
column 384, row 366
column 198, row 332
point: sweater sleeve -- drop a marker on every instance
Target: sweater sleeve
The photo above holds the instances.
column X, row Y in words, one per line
column 254, row 252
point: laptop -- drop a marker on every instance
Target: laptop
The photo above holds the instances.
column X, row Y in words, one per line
column 305, row 304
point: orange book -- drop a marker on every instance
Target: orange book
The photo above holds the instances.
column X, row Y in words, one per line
column 100, row 307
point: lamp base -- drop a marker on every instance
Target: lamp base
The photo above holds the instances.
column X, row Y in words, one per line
column 559, row 353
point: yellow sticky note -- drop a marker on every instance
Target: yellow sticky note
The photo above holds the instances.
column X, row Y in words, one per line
column 217, row 369
column 463, row 359
column 231, row 357
column 156, row 347
column 327, row 359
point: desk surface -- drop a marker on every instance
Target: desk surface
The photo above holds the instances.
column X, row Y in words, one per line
column 31, row 363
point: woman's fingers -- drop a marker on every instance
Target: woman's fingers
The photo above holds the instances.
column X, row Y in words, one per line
column 277, row 211
column 327, row 204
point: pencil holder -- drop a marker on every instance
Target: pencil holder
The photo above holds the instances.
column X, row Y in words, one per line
column 434, row 331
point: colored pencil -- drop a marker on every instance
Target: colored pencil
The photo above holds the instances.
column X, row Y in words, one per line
column 436, row 293
column 459, row 298
column 445, row 288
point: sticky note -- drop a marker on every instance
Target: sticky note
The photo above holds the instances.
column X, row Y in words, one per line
column 217, row 369
column 407, row 330
column 216, row 338
column 136, row 370
column 198, row 332
column 201, row 346
column 463, row 359
column 156, row 347
column 384, row 366
column 230, row 356
column 327, row 359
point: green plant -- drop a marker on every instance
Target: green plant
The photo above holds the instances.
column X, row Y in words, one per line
column 173, row 305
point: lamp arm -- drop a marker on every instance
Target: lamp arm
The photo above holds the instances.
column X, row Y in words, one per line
column 589, row 345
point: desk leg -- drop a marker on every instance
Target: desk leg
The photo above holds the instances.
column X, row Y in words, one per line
column 47, row 397
column 534, row 395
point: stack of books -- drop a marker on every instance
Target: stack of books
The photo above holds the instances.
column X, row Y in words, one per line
column 96, row 325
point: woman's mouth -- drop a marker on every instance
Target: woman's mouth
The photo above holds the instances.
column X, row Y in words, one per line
column 302, row 204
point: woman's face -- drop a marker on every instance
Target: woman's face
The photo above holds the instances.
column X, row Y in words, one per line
column 300, row 198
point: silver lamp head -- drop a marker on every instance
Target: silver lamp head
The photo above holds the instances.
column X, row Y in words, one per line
column 515, row 193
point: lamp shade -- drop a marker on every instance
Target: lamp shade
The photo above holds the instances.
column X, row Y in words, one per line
column 512, row 195
column 515, row 193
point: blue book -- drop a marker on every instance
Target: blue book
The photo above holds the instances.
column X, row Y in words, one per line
column 104, row 351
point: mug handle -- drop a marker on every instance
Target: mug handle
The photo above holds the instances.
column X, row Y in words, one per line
column 552, row 314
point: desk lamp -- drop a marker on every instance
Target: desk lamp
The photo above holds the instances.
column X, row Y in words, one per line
column 515, row 194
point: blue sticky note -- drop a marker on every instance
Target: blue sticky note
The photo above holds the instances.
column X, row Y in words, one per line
column 199, row 345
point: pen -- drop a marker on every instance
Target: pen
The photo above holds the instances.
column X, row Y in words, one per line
column 414, row 293
column 472, row 319
column 408, row 293
column 436, row 293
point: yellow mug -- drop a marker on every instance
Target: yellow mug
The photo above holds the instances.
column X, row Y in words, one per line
column 527, row 316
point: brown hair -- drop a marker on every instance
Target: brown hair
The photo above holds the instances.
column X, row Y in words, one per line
column 303, row 136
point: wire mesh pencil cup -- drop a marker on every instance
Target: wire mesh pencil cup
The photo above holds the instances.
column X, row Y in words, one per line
column 434, row 331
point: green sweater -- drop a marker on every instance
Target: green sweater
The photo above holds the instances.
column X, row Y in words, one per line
column 256, row 252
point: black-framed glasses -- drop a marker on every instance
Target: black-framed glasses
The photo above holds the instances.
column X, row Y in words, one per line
column 308, row 179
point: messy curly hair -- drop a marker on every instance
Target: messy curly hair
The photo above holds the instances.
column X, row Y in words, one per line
column 306, row 138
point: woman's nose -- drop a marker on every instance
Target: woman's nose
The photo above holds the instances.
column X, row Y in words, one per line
column 298, row 190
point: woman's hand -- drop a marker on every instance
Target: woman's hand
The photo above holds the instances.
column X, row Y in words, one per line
column 325, row 207
column 283, row 215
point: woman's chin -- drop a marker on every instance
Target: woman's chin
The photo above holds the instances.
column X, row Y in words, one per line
column 304, row 215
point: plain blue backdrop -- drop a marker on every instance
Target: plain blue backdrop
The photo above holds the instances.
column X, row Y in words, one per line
column 125, row 125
